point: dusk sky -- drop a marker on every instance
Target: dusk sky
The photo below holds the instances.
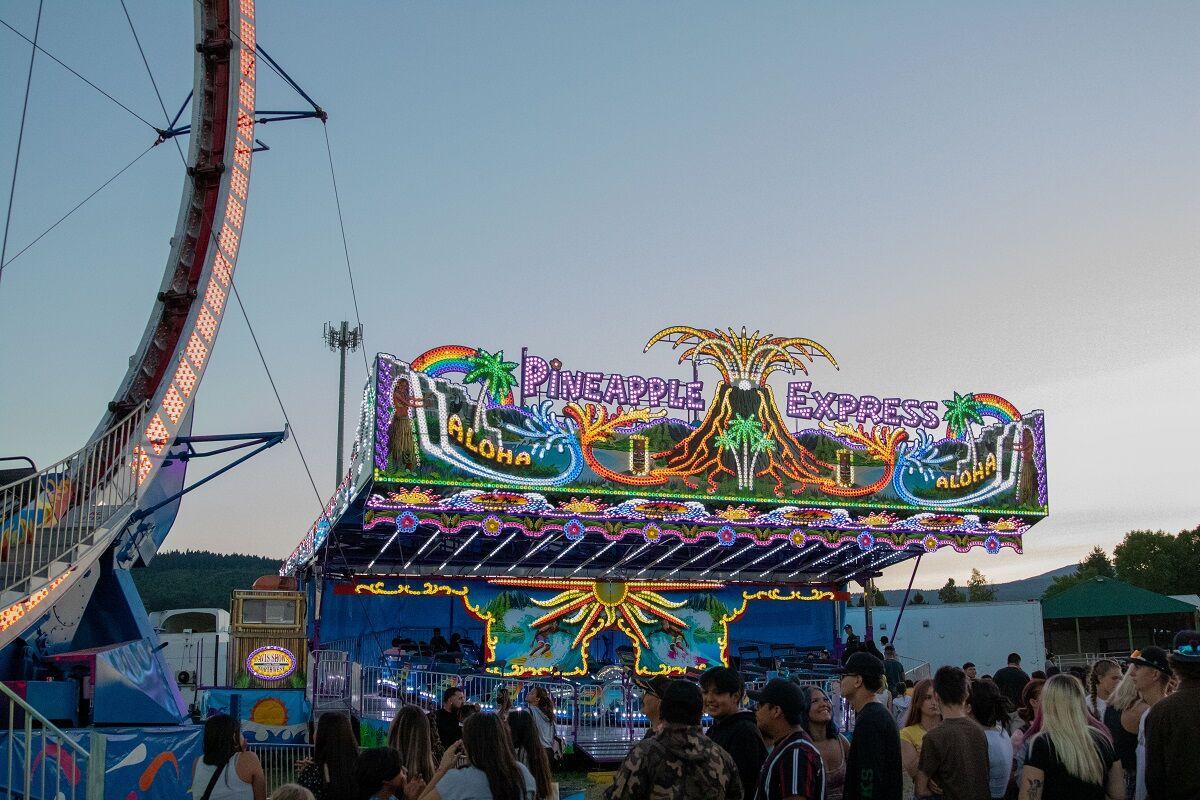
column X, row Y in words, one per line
column 950, row 197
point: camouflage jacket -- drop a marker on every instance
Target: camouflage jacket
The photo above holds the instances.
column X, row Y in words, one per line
column 679, row 763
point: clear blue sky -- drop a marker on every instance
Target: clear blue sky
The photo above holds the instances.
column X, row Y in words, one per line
column 964, row 197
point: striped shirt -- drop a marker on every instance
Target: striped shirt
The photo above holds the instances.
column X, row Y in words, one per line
column 793, row 769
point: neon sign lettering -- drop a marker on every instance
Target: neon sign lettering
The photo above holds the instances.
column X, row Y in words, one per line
column 839, row 407
column 484, row 447
column 540, row 377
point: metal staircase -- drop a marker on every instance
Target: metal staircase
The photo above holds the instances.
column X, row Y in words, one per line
column 50, row 521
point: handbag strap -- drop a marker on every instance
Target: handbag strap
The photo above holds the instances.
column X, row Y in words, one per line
column 212, row 782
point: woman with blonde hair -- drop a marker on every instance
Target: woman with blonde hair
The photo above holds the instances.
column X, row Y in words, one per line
column 923, row 716
column 1069, row 759
column 409, row 735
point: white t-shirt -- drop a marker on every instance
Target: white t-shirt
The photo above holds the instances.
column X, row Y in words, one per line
column 471, row 783
column 544, row 725
column 1000, row 759
column 228, row 786
column 1139, row 793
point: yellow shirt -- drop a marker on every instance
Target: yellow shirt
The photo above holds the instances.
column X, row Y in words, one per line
column 914, row 735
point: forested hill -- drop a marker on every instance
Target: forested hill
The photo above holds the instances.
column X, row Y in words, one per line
column 198, row 578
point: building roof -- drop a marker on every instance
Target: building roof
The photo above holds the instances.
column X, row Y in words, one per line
column 1108, row 597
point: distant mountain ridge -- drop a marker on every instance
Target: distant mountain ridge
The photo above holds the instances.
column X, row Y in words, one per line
column 1023, row 589
column 198, row 578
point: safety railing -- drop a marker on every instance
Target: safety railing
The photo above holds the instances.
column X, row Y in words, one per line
column 45, row 518
column 279, row 761
column 43, row 762
column 1086, row 660
column 919, row 671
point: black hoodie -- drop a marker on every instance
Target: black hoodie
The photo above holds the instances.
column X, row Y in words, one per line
column 738, row 735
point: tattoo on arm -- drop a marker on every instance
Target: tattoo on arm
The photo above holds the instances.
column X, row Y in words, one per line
column 1035, row 789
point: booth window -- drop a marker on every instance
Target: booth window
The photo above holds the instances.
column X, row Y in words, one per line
column 268, row 612
column 190, row 622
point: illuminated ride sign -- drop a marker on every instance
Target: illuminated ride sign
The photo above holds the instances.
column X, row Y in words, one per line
column 271, row 663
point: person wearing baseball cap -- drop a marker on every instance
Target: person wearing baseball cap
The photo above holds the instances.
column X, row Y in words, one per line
column 793, row 769
column 1151, row 674
column 1172, row 728
column 653, row 690
column 873, row 767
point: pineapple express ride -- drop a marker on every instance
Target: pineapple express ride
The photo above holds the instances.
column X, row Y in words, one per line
column 557, row 509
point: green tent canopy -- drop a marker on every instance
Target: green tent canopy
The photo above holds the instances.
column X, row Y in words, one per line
column 1106, row 597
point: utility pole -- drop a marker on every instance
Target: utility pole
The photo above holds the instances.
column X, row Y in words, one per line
column 342, row 338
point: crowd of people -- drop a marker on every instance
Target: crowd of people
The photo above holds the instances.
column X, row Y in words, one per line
column 457, row 752
column 1117, row 732
column 1112, row 732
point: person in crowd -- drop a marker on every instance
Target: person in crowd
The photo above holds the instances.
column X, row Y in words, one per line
column 680, row 763
column 541, row 705
column 379, row 775
column 1152, row 675
column 448, row 718
column 491, row 770
column 1031, row 705
column 1012, row 680
column 734, row 728
column 409, row 735
column 527, row 748
column 893, row 671
column 794, row 768
column 1173, row 728
column 329, row 774
column 873, row 767
column 290, row 791
column 1069, row 759
column 988, row 708
column 395, row 649
column 438, row 643
column 971, row 670
column 954, row 755
column 834, row 748
column 227, row 771
column 1122, row 699
column 1052, row 670
column 467, row 710
column 923, row 716
column 1102, row 678
column 652, row 692
column 503, row 703
column 902, row 702
column 455, row 644
column 1037, row 675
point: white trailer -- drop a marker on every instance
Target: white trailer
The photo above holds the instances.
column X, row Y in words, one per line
column 955, row 633
column 196, row 645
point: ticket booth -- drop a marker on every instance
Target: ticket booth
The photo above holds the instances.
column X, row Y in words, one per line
column 268, row 648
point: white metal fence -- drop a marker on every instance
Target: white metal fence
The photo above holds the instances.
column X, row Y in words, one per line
column 45, row 518
column 279, row 761
column 43, row 762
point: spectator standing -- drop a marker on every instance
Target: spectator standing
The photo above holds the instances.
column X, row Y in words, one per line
column 438, row 644
column 923, row 716
column 733, row 727
column 652, row 692
column 1031, row 706
column 226, row 770
column 834, row 748
column 290, row 791
column 448, row 718
column 988, row 708
column 503, row 703
column 794, row 769
column 873, row 768
column 329, row 774
column 379, row 775
column 491, row 771
column 680, row 762
column 1123, row 699
column 954, row 755
column 409, row 735
column 1152, row 675
column 1012, row 680
column 893, row 670
column 527, row 748
column 971, row 671
column 902, row 703
column 1173, row 728
column 1068, row 758
column 541, row 706
column 1102, row 678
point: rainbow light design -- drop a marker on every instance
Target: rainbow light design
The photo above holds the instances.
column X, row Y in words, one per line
column 990, row 405
column 450, row 358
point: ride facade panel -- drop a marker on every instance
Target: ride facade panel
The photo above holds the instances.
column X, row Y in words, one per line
column 558, row 503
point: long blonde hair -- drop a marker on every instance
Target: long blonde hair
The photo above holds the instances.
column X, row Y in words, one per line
column 409, row 735
column 1064, row 721
column 1125, row 694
